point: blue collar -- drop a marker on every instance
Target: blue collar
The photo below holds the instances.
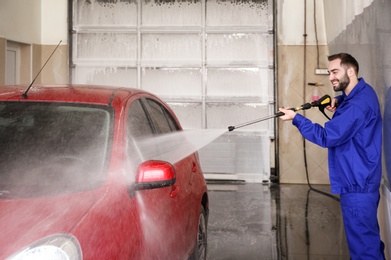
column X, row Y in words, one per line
column 360, row 85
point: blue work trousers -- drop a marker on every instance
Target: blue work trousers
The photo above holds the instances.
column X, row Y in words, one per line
column 359, row 212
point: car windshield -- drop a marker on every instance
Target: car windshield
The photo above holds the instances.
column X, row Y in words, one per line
column 52, row 148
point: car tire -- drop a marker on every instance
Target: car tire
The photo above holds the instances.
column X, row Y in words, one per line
column 201, row 244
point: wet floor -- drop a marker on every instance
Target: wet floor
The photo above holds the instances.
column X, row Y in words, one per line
column 269, row 221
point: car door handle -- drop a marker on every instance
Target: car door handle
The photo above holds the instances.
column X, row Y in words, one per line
column 174, row 191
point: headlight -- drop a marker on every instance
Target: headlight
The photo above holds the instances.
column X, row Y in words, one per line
column 55, row 247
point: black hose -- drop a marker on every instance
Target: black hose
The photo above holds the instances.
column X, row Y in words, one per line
column 304, row 95
column 308, row 179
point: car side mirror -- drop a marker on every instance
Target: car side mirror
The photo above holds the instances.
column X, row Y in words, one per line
column 154, row 174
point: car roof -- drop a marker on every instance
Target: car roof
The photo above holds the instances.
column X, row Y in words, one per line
column 93, row 94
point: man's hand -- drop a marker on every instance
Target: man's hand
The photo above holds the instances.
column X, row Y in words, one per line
column 333, row 106
column 289, row 114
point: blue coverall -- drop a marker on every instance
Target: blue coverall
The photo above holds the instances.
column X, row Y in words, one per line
column 354, row 141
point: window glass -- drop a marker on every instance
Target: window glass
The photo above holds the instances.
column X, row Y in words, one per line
column 166, row 145
column 173, row 125
column 138, row 123
column 53, row 148
column 161, row 118
column 139, row 129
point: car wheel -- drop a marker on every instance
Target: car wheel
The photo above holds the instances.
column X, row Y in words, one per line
column 200, row 249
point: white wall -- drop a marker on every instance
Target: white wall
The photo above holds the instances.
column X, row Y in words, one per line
column 34, row 21
column 291, row 22
column 54, row 21
column 20, row 20
column 349, row 10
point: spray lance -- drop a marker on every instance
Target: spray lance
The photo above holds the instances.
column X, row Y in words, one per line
column 321, row 103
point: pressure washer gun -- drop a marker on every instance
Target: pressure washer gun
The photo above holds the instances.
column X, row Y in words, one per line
column 321, row 103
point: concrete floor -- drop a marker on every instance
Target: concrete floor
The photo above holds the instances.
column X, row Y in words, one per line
column 270, row 221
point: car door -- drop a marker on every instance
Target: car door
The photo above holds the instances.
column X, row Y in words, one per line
column 166, row 213
column 182, row 194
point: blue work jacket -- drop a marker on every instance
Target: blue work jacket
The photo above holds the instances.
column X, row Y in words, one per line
column 353, row 138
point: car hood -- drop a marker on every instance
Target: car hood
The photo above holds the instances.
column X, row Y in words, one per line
column 23, row 221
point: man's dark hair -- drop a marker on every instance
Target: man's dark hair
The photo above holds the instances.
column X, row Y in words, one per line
column 347, row 60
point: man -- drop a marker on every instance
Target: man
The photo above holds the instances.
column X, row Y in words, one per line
column 354, row 141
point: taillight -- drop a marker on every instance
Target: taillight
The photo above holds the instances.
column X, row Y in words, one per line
column 56, row 247
column 155, row 174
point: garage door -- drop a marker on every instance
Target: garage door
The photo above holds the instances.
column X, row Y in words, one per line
column 212, row 61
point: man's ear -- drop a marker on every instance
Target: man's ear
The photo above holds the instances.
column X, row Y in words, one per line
column 350, row 72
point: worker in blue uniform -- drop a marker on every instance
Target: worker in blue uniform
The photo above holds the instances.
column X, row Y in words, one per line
column 354, row 140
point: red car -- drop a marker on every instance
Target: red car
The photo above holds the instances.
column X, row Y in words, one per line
column 74, row 183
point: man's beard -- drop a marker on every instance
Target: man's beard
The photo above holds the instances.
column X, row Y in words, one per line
column 343, row 83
